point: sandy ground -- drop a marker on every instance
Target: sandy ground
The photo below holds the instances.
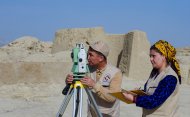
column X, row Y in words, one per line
column 44, row 100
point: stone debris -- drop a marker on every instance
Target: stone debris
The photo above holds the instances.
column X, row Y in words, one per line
column 30, row 49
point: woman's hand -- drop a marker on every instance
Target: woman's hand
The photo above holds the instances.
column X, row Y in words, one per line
column 129, row 96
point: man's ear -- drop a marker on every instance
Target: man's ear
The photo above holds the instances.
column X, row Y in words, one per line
column 101, row 58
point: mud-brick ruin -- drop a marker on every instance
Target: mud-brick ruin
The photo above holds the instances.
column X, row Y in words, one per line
column 28, row 60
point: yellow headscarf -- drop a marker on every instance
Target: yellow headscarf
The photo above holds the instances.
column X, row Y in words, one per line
column 169, row 52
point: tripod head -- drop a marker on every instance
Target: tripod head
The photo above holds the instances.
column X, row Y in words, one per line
column 79, row 58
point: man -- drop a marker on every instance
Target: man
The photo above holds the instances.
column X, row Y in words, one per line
column 104, row 79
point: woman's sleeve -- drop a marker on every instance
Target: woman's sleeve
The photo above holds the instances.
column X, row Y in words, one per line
column 163, row 91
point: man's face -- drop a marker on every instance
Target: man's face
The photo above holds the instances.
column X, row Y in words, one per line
column 94, row 58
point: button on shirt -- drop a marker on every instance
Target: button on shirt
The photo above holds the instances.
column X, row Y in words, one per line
column 99, row 74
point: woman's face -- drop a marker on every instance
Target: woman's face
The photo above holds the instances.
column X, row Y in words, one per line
column 158, row 60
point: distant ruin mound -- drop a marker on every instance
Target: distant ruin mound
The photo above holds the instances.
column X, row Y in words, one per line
column 29, row 59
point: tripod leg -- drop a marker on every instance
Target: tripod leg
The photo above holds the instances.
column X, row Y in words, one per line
column 78, row 93
column 77, row 99
column 81, row 103
column 90, row 96
column 65, row 103
column 74, row 103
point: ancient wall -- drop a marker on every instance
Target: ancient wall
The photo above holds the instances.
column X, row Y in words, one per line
column 135, row 57
column 129, row 52
column 183, row 56
column 66, row 39
column 188, row 81
column 124, row 63
column 115, row 43
column 27, row 60
column 34, row 72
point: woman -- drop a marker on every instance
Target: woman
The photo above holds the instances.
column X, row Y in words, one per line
column 162, row 86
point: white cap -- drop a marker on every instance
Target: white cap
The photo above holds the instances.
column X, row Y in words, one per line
column 101, row 47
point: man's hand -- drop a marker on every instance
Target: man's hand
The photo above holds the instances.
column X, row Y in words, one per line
column 88, row 82
column 69, row 79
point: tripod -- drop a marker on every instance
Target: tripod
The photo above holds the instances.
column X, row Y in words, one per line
column 76, row 88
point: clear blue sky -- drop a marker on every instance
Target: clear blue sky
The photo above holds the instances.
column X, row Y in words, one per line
column 160, row 19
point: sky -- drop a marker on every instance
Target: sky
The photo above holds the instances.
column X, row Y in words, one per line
column 160, row 19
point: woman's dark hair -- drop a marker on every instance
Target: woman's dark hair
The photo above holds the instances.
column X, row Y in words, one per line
column 154, row 48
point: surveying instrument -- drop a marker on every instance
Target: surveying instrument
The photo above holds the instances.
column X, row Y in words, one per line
column 79, row 69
